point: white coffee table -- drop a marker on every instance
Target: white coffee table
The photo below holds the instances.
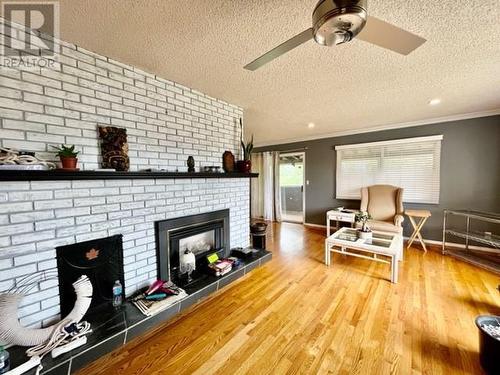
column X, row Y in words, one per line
column 383, row 247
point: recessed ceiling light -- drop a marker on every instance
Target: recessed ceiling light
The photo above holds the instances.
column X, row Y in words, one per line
column 435, row 101
column 311, row 125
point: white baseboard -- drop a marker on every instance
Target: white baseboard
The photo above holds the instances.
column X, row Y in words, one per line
column 315, row 225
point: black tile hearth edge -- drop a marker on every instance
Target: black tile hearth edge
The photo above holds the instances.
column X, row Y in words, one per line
column 144, row 326
column 86, row 356
column 136, row 324
column 96, row 352
column 232, row 277
column 198, row 295
column 62, row 369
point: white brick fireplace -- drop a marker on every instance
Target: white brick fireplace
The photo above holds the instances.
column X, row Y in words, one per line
column 166, row 122
column 38, row 216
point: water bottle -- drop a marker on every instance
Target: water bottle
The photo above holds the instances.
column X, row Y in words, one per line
column 117, row 293
column 4, row 360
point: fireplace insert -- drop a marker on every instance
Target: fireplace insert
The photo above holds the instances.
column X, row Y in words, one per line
column 202, row 234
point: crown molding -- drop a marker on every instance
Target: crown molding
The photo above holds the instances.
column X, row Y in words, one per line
column 433, row 120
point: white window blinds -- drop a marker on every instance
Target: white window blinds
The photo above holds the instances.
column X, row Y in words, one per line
column 411, row 163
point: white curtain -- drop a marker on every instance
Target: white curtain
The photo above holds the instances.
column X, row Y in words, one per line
column 276, row 187
column 266, row 192
column 257, row 187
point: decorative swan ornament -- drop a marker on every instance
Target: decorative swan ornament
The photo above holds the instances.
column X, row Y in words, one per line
column 11, row 330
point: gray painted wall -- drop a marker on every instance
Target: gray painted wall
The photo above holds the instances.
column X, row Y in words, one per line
column 470, row 169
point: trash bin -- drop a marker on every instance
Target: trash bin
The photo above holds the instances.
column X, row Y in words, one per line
column 489, row 345
column 258, row 232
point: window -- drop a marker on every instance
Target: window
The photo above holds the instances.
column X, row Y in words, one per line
column 411, row 163
column 291, row 174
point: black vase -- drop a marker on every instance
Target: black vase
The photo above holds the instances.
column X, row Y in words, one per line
column 190, row 164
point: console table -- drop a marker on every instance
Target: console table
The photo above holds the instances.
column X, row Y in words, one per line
column 478, row 255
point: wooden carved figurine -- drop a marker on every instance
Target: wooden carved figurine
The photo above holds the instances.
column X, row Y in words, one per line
column 114, row 148
column 228, row 161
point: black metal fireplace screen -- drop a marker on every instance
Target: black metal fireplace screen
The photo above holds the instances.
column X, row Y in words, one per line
column 101, row 260
column 203, row 234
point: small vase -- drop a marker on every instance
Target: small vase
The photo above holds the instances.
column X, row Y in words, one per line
column 190, row 164
column 69, row 163
column 244, row 166
column 364, row 235
column 228, row 161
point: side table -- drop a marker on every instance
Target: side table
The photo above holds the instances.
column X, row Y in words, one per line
column 346, row 216
column 422, row 216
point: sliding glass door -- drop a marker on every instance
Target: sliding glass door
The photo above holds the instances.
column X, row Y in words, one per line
column 291, row 178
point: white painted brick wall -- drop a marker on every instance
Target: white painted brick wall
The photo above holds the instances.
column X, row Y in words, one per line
column 165, row 121
column 39, row 216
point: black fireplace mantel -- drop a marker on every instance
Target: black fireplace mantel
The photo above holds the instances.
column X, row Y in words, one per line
column 95, row 175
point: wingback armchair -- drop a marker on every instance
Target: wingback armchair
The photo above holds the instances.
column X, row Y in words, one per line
column 384, row 203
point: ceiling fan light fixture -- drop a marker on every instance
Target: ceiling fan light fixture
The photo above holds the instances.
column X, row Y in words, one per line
column 338, row 21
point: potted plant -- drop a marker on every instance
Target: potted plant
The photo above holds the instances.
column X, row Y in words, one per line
column 362, row 217
column 245, row 165
column 68, row 156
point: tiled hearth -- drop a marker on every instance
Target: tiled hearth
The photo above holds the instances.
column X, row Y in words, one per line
column 116, row 329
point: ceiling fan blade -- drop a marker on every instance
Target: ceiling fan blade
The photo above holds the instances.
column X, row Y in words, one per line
column 388, row 36
column 283, row 48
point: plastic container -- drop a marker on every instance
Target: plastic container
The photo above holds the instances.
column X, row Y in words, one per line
column 4, row 360
column 489, row 346
column 117, row 294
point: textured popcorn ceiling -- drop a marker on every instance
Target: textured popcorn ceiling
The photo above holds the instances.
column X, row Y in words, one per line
column 204, row 44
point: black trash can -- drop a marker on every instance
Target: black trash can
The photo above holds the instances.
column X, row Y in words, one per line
column 489, row 346
column 258, row 232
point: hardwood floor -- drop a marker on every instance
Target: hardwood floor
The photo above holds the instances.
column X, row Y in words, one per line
column 295, row 315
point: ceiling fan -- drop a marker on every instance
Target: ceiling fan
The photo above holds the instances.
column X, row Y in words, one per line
column 340, row 21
